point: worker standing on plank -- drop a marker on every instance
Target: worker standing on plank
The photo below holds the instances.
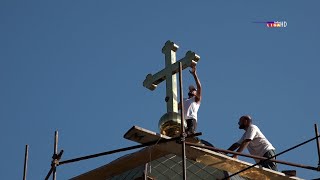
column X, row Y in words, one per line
column 192, row 103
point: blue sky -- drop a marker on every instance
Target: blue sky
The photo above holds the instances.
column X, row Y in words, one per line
column 78, row 67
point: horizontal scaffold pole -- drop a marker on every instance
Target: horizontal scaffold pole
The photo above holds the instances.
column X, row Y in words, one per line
column 125, row 149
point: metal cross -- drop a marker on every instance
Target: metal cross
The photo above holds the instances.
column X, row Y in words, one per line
column 169, row 73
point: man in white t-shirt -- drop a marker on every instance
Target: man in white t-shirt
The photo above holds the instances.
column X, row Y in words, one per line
column 192, row 103
column 255, row 141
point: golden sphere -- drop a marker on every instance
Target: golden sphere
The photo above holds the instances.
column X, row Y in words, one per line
column 170, row 124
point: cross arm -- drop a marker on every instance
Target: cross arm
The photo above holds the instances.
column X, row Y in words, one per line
column 152, row 81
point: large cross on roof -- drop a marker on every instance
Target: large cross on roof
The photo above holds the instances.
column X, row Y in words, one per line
column 169, row 73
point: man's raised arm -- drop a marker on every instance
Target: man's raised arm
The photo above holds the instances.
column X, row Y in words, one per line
column 193, row 71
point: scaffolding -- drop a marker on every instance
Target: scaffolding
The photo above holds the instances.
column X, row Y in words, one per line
column 56, row 157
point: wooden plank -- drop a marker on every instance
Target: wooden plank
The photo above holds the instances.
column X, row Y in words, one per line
column 207, row 157
column 141, row 135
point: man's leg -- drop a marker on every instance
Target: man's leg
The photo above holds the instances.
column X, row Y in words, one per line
column 269, row 164
column 191, row 126
column 194, row 122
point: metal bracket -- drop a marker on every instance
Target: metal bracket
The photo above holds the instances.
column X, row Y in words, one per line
column 56, row 159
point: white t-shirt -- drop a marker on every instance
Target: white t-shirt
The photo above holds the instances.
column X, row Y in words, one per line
column 259, row 144
column 191, row 108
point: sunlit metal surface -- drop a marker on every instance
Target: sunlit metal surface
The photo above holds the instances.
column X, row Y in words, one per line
column 169, row 124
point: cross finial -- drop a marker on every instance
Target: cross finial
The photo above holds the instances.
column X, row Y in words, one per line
column 169, row 73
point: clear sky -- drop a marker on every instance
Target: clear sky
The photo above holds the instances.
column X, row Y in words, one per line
column 78, row 67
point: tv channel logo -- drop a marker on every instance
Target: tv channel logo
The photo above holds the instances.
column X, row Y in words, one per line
column 275, row 24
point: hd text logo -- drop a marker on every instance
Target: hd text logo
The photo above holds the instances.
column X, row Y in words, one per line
column 274, row 24
column 277, row 24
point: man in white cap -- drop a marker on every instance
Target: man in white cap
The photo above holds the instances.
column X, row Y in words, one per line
column 192, row 103
column 255, row 141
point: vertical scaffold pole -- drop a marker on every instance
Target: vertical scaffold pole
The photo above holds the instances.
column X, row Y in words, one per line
column 318, row 144
column 183, row 134
column 25, row 162
column 55, row 152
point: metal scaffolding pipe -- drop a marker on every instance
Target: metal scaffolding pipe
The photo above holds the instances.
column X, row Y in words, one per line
column 251, row 156
column 49, row 173
column 318, row 144
column 123, row 149
column 183, row 135
column 25, row 162
column 316, row 169
column 55, row 151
